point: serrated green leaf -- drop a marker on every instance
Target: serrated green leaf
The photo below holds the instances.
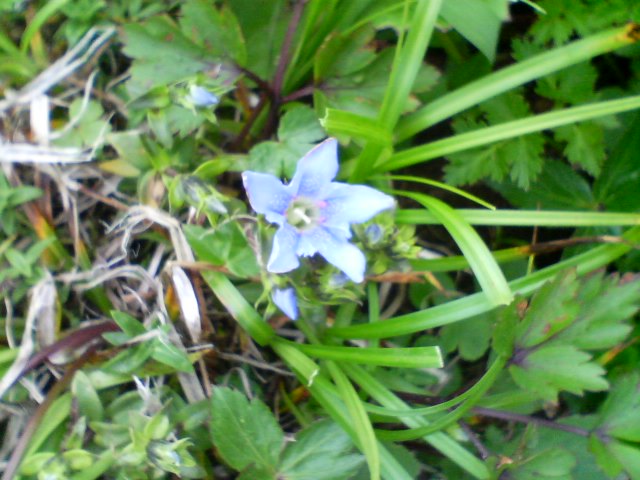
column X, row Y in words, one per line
column 620, row 413
column 548, row 370
column 609, row 465
column 558, row 187
column 584, row 145
column 606, row 306
column 520, row 158
column 471, row 338
column 323, row 452
column 504, row 333
column 245, row 433
column 90, row 127
column 549, row 464
column 627, row 455
column 574, row 85
column 552, row 309
column 618, row 184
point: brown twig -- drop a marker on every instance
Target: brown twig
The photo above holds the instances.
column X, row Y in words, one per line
column 281, row 68
column 541, row 422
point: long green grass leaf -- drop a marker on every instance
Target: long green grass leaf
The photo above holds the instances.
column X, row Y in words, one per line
column 487, row 272
column 417, row 357
column 504, row 131
column 360, row 420
column 525, row 218
column 478, row 303
column 439, row 440
column 513, row 76
column 238, row 307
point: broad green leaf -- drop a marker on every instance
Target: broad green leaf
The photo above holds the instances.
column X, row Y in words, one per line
column 244, row 432
column 18, row 195
column 323, row 452
column 211, row 246
column 477, row 21
column 548, row 370
column 89, row 403
column 19, row 261
column 129, row 325
column 298, row 133
column 162, row 53
column 167, row 353
column 257, row 472
column 216, row 29
column 263, row 33
column 351, row 76
column 129, row 360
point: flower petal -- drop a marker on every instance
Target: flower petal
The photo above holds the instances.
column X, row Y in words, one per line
column 316, row 170
column 285, row 300
column 267, row 195
column 283, row 254
column 347, row 204
column 201, row 97
column 339, row 252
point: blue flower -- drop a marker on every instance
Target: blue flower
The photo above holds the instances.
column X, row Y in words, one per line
column 285, row 300
column 201, row 97
column 314, row 213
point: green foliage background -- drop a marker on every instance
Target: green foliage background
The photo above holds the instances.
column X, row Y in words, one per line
column 495, row 336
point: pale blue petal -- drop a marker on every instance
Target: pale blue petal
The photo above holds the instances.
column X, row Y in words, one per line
column 347, row 204
column 316, row 170
column 285, row 300
column 201, row 97
column 339, row 252
column 283, row 254
column 267, row 195
column 306, row 248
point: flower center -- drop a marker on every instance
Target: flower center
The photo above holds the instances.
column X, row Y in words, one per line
column 303, row 213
